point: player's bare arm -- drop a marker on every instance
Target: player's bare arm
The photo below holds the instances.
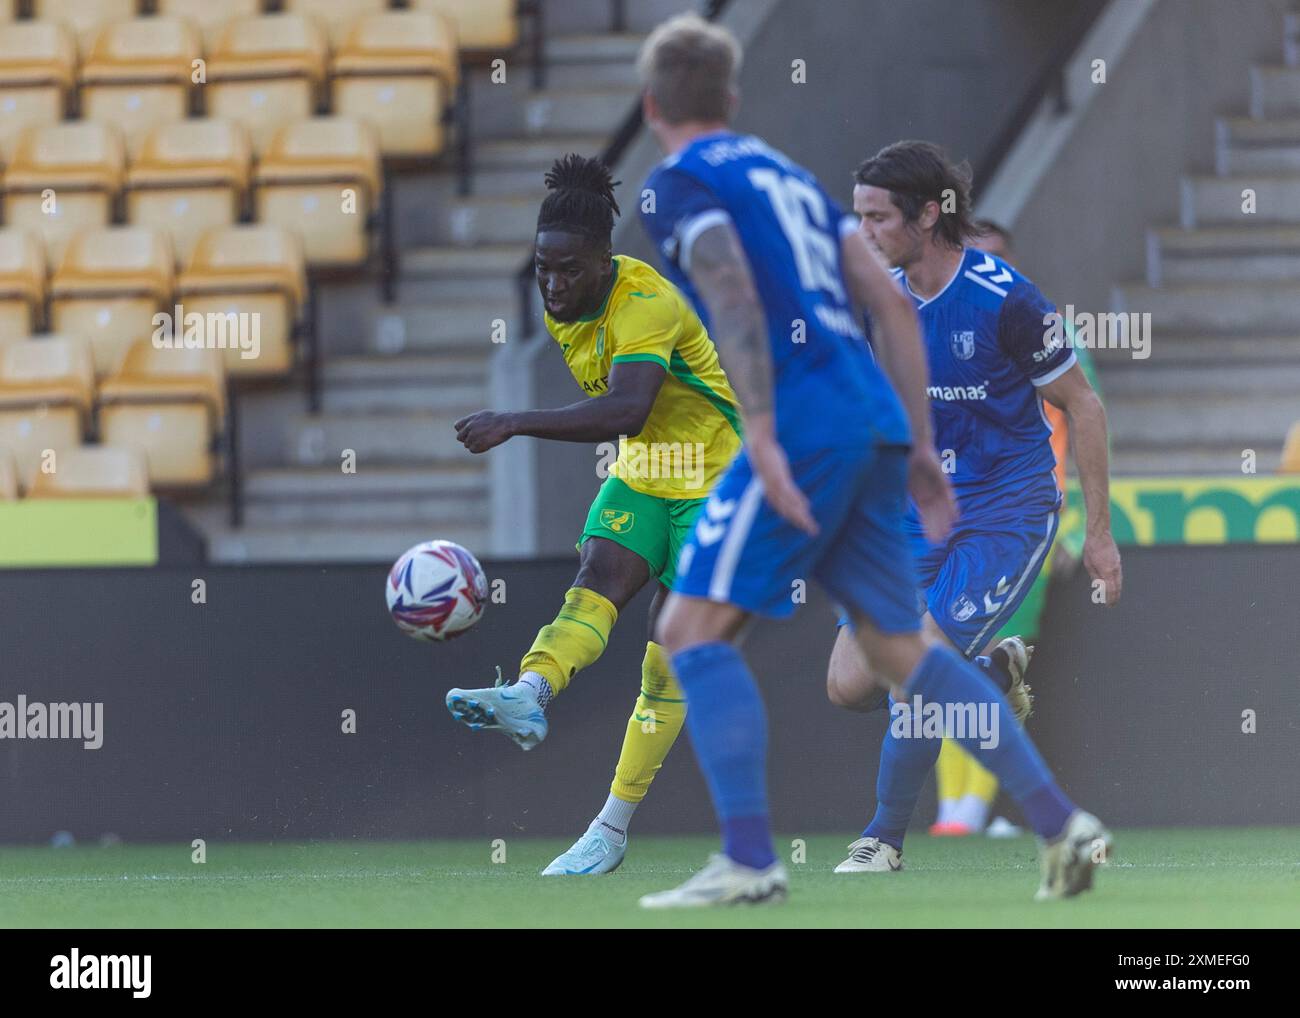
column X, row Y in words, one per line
column 622, row 411
column 1087, row 418
column 902, row 357
column 721, row 275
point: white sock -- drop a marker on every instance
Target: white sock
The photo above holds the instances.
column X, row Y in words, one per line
column 614, row 819
column 947, row 811
column 539, row 685
column 972, row 811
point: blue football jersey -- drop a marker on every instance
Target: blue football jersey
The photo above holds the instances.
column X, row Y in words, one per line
column 828, row 390
column 985, row 338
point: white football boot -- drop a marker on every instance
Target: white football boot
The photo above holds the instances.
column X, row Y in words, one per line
column 590, row 855
column 1019, row 655
column 871, row 855
column 509, row 709
column 1068, row 861
column 724, row 882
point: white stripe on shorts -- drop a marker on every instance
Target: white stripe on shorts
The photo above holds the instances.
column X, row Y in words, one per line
column 724, row 569
column 1030, row 570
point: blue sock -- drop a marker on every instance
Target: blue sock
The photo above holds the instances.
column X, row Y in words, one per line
column 995, row 669
column 904, row 764
column 943, row 677
column 728, row 727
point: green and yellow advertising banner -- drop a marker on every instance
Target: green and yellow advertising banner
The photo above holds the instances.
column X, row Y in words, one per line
column 1198, row 510
column 78, row 532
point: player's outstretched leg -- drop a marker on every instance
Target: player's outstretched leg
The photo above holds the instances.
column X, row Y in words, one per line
column 1072, row 842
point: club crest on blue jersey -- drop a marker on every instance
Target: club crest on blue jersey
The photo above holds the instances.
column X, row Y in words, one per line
column 963, row 344
column 962, row 609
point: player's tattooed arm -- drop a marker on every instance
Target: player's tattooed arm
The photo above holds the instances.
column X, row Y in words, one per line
column 620, row 411
column 1087, row 423
column 721, row 275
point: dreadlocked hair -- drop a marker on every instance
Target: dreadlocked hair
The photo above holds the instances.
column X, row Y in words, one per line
column 581, row 198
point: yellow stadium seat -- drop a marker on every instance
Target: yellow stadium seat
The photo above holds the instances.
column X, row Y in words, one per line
column 22, row 283
column 63, row 178
column 481, row 25
column 209, row 16
column 46, row 388
column 93, row 471
column 84, row 18
column 38, row 66
column 190, row 176
column 108, row 288
column 138, row 75
column 169, row 404
column 1291, row 451
column 8, row 476
column 397, row 71
column 321, row 177
column 266, row 71
column 256, row 271
column 335, row 15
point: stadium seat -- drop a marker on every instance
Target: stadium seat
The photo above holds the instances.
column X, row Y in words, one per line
column 38, row 66
column 266, row 71
column 8, row 476
column 169, row 404
column 335, row 15
column 63, row 178
column 190, row 177
column 138, row 75
column 397, row 71
column 22, row 284
column 84, row 18
column 1291, row 451
column 93, row 471
column 482, row 26
column 108, row 288
column 46, row 388
column 303, row 183
column 210, row 17
column 255, row 270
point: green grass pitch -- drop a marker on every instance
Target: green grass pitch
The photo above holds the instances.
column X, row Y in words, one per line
column 1179, row 878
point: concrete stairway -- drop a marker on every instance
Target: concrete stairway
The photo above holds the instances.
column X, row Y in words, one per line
column 395, row 377
column 1223, row 291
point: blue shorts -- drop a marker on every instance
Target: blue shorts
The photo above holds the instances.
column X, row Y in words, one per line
column 741, row 552
column 974, row 581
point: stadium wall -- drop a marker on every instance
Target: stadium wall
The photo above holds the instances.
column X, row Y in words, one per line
column 874, row 71
column 223, row 715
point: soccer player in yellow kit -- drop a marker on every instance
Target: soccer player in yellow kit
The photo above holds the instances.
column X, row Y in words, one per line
column 634, row 343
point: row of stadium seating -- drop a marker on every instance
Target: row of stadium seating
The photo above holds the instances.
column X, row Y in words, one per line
column 88, row 471
column 480, row 25
column 321, row 178
column 398, row 70
column 165, row 403
column 113, row 282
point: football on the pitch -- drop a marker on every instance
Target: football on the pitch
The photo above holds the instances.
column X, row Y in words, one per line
column 436, row 591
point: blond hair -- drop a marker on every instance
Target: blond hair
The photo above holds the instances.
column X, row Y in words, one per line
column 690, row 67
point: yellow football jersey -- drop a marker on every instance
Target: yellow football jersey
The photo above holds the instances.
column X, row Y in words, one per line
column 693, row 431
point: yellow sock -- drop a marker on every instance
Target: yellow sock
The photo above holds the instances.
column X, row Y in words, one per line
column 652, row 729
column 980, row 781
column 950, row 777
column 574, row 640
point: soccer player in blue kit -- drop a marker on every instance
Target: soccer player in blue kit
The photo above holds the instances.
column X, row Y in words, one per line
column 820, row 488
column 984, row 326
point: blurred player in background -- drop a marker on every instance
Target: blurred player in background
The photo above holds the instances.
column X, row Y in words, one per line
column 990, row 370
column 632, row 342
column 820, row 489
column 966, row 790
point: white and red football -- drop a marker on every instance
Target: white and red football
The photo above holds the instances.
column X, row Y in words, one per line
column 436, row 591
